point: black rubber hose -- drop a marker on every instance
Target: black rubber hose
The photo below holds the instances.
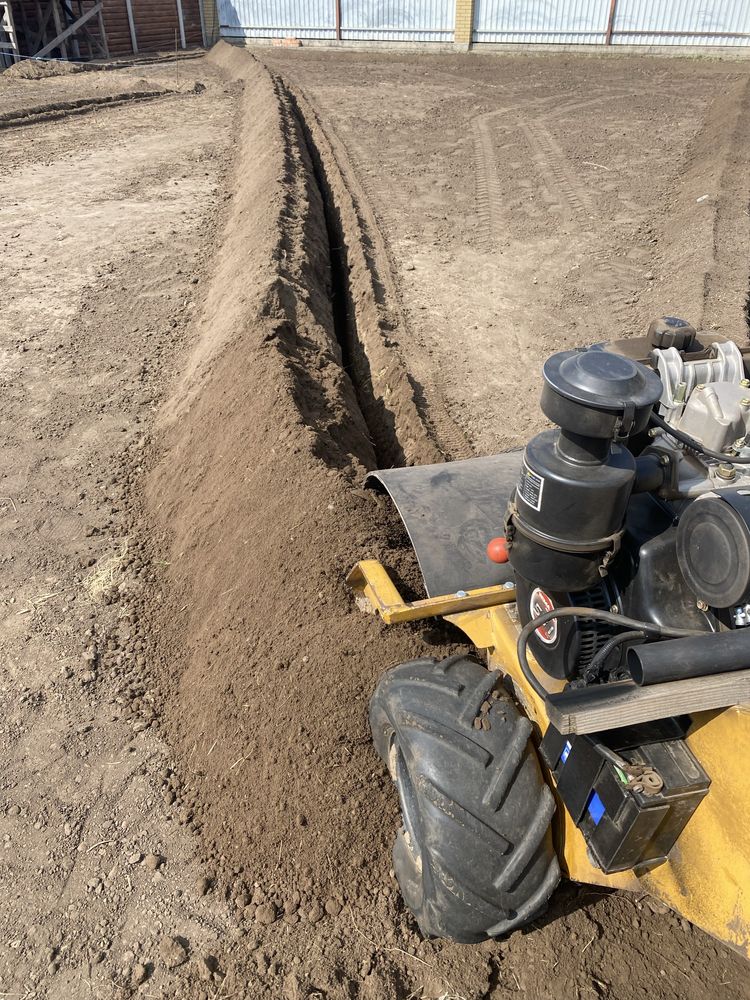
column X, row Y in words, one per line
column 694, row 656
column 649, row 628
column 694, row 445
column 592, row 669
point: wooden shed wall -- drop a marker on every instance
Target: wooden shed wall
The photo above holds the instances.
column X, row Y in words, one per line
column 116, row 26
column 156, row 22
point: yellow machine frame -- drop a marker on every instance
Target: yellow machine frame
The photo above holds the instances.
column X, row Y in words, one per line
column 707, row 876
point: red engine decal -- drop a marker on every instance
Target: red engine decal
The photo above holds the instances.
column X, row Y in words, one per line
column 538, row 605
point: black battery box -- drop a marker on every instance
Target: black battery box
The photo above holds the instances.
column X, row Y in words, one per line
column 626, row 828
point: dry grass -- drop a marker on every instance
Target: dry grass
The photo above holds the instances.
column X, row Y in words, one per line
column 105, row 575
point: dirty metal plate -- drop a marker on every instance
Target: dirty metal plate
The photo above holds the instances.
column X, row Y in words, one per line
column 451, row 511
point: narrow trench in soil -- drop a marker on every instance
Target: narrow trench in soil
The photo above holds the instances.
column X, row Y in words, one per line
column 388, row 450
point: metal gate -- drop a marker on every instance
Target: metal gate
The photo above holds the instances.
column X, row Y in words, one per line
column 357, row 20
column 615, row 22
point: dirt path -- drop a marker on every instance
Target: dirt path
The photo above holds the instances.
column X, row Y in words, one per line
column 221, row 308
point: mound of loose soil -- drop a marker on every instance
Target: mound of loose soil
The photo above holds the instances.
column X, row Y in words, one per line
column 267, row 662
column 31, row 69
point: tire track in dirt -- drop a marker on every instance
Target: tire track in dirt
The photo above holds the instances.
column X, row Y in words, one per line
column 615, row 283
column 489, row 197
column 730, row 259
column 65, row 109
column 490, row 201
column 562, row 181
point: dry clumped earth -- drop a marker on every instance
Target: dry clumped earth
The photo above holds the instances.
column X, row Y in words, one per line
column 210, row 336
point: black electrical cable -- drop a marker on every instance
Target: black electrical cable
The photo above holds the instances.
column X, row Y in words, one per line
column 592, row 669
column 591, row 672
column 694, row 445
column 609, row 617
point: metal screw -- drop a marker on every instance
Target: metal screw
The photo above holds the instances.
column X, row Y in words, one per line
column 745, row 402
column 614, row 609
column 699, row 387
column 701, row 605
column 745, row 383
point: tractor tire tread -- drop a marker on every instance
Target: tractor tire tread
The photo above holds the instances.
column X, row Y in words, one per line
column 475, row 857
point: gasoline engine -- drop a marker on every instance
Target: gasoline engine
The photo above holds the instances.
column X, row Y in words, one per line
column 636, row 508
column 638, row 504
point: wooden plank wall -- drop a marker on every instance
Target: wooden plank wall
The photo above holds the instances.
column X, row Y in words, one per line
column 26, row 17
column 211, row 21
column 116, row 26
column 155, row 23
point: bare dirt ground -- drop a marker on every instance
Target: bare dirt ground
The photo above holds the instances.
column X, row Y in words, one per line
column 191, row 394
column 533, row 203
column 103, row 226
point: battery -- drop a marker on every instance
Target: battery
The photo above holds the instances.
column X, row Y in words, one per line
column 623, row 827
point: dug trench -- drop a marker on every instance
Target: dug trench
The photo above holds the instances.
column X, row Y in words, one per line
column 254, row 510
column 249, row 510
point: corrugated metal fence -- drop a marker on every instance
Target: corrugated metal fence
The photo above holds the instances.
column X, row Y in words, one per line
column 378, row 20
column 584, row 22
column 682, row 22
column 398, row 20
column 622, row 22
column 277, row 18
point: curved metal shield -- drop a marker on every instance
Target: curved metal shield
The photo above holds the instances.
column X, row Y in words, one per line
column 451, row 511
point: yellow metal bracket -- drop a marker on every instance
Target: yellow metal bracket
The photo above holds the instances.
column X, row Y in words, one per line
column 370, row 579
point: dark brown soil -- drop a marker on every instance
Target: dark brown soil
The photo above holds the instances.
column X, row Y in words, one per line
column 268, row 663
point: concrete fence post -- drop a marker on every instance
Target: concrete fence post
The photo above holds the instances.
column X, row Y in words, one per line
column 464, row 24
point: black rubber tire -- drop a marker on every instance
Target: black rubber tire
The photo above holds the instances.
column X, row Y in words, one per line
column 474, row 858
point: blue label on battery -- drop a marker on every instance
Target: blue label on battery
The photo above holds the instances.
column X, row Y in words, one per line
column 596, row 808
column 566, row 752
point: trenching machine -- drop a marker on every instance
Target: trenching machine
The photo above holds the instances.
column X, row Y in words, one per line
column 607, row 735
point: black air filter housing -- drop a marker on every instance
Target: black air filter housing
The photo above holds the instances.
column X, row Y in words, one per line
column 598, row 394
column 569, row 507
